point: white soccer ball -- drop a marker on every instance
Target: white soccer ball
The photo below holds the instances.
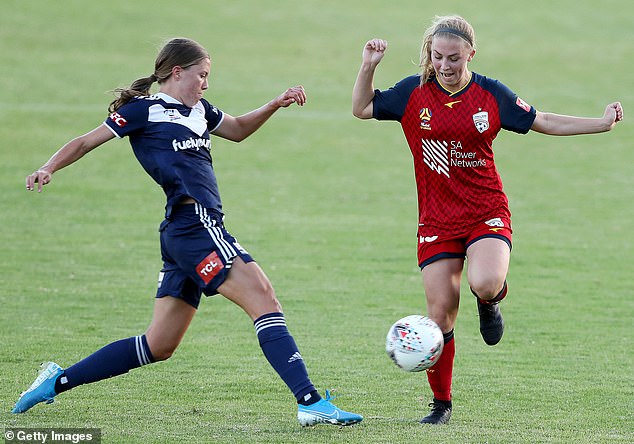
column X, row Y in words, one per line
column 414, row 343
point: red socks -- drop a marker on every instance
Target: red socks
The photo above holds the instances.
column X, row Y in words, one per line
column 441, row 374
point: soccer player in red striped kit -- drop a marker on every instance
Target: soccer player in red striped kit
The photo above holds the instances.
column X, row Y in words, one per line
column 450, row 117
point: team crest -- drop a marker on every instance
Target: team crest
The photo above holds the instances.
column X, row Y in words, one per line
column 425, row 118
column 481, row 121
column 172, row 114
column 495, row 222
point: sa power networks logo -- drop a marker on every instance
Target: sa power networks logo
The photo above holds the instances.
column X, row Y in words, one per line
column 440, row 156
column 436, row 155
column 118, row 120
column 425, row 118
column 209, row 267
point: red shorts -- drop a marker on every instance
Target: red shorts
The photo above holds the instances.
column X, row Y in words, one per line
column 435, row 246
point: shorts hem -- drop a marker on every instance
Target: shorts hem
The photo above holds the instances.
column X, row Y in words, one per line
column 188, row 302
column 494, row 236
column 440, row 256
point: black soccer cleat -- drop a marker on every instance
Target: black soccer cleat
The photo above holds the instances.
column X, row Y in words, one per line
column 491, row 322
column 440, row 413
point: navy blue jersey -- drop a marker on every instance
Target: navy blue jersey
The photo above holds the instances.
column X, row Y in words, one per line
column 171, row 141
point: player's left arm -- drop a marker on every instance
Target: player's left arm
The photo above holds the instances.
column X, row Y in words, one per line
column 241, row 127
column 562, row 125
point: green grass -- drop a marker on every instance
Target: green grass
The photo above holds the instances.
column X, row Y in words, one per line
column 326, row 204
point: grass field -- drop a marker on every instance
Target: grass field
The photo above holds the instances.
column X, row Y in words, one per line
column 326, row 204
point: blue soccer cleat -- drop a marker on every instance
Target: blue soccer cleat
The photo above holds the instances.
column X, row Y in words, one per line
column 325, row 412
column 42, row 389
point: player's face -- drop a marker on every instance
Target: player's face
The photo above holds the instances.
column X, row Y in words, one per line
column 193, row 81
column 449, row 57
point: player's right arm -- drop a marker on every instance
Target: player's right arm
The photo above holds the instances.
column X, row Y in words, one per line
column 69, row 153
column 363, row 91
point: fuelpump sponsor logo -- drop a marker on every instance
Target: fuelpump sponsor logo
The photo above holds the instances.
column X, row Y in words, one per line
column 191, row 143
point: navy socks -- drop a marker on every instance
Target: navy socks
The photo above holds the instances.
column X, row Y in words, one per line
column 281, row 351
column 114, row 359
column 119, row 357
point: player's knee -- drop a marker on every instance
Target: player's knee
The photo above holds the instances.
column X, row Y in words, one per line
column 163, row 353
column 487, row 288
column 267, row 293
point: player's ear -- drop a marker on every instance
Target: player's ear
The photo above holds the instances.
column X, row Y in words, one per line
column 471, row 55
column 176, row 72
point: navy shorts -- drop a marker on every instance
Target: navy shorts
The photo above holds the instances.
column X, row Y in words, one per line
column 197, row 253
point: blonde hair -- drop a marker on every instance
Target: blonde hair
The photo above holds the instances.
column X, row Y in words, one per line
column 176, row 52
column 446, row 26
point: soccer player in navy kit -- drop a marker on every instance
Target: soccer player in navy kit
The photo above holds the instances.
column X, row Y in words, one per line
column 169, row 133
column 450, row 116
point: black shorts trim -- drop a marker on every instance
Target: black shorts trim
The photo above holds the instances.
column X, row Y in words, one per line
column 495, row 236
column 440, row 256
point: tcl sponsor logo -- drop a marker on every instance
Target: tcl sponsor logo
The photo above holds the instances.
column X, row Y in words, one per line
column 118, row 120
column 209, row 267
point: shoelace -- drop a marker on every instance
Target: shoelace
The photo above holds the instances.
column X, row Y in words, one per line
column 437, row 407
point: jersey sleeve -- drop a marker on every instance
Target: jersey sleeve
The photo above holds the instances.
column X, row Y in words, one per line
column 515, row 114
column 213, row 115
column 129, row 118
column 390, row 104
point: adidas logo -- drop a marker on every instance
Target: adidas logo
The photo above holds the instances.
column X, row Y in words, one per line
column 295, row 357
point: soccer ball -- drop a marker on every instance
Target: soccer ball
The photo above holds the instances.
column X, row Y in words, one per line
column 414, row 343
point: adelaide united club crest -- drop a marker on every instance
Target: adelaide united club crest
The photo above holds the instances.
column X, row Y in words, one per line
column 481, row 121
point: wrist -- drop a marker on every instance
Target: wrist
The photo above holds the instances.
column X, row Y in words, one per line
column 274, row 104
column 368, row 66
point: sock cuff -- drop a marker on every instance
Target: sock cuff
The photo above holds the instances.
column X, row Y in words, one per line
column 143, row 352
column 501, row 295
column 448, row 337
column 444, row 403
column 269, row 320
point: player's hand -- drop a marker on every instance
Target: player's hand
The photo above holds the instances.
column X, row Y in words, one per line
column 41, row 177
column 292, row 95
column 373, row 51
column 613, row 113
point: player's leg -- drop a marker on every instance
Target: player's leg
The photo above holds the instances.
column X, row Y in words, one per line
column 170, row 321
column 487, row 266
column 247, row 286
column 442, row 291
